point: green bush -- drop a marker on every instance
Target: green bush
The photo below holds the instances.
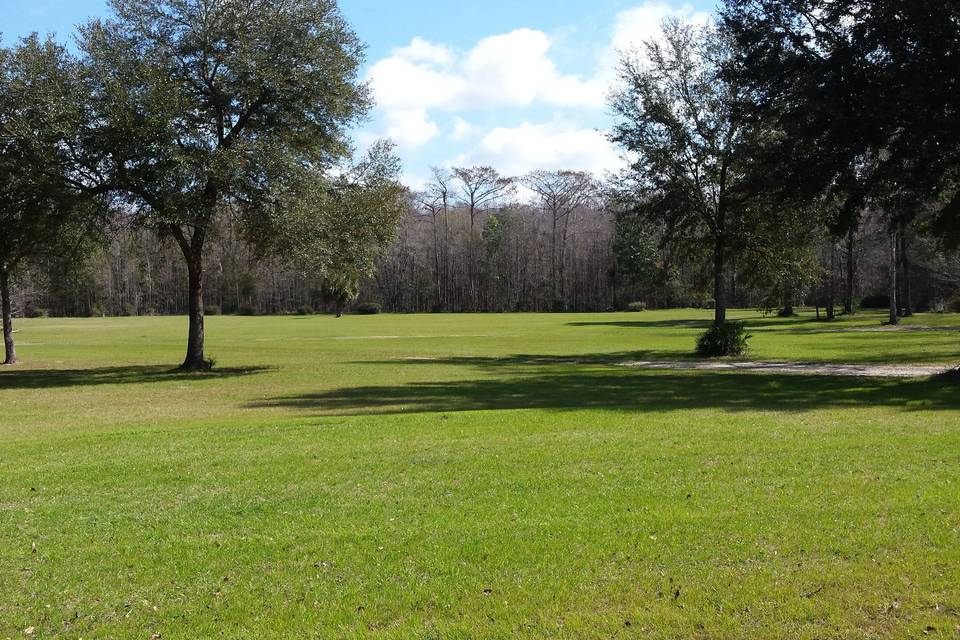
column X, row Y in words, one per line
column 38, row 313
column 637, row 306
column 212, row 310
column 247, row 310
column 727, row 339
column 305, row 310
column 368, row 308
column 129, row 310
column 96, row 311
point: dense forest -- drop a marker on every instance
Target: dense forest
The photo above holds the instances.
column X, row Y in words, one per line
column 504, row 263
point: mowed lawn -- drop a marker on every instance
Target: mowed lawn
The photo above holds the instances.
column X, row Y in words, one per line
column 476, row 476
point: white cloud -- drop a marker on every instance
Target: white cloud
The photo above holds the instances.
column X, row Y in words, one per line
column 411, row 127
column 423, row 82
column 462, row 130
column 508, row 70
column 518, row 150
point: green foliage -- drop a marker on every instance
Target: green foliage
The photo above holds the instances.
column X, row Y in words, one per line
column 679, row 115
column 197, row 108
column 368, row 308
column 637, row 306
column 861, row 96
column 336, row 228
column 41, row 116
column 721, row 340
column 38, row 312
column 212, row 310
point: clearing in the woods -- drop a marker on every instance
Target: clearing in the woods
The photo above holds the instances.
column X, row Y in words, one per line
column 478, row 476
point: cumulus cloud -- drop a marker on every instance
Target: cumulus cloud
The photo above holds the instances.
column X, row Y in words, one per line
column 462, row 130
column 410, row 127
column 508, row 70
column 519, row 150
column 423, row 82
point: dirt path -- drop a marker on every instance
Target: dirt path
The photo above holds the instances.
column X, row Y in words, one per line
column 804, row 368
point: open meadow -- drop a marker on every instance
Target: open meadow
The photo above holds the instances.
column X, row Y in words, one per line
column 464, row 476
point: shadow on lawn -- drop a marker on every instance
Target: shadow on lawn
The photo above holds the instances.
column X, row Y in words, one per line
column 796, row 324
column 53, row 378
column 531, row 382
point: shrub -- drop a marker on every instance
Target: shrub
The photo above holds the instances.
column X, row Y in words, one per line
column 212, row 310
column 368, row 308
column 38, row 313
column 727, row 339
column 875, row 302
column 247, row 310
column 305, row 310
column 129, row 309
column 637, row 306
column 96, row 311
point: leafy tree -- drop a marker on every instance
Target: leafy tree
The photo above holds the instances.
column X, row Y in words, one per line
column 40, row 210
column 336, row 227
column 202, row 107
column 865, row 93
column 681, row 119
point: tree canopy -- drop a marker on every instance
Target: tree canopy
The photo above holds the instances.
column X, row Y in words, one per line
column 200, row 107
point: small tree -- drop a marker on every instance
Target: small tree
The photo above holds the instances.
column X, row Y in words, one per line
column 204, row 106
column 336, row 228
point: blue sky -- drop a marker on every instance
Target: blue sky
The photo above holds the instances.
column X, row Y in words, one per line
column 517, row 84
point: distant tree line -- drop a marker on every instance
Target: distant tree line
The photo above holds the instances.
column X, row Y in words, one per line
column 609, row 261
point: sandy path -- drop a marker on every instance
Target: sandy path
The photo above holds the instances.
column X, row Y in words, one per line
column 804, row 368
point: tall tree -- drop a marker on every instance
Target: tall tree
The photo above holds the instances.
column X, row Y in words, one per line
column 40, row 117
column 203, row 105
column 480, row 187
column 560, row 194
column 866, row 94
column 682, row 120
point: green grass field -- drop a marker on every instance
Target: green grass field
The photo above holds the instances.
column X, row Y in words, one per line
column 487, row 476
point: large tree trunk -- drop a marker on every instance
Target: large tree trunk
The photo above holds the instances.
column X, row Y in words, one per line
column 10, row 350
column 719, row 280
column 195, row 360
column 851, row 271
column 894, row 319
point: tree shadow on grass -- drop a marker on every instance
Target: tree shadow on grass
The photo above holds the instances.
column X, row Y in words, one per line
column 571, row 387
column 796, row 324
column 55, row 378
